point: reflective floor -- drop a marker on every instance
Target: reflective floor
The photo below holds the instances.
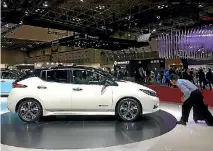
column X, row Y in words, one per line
column 193, row 137
column 79, row 132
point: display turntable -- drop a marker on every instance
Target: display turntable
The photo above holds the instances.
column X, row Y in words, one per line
column 81, row 132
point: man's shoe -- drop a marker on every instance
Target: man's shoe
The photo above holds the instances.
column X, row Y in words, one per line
column 181, row 122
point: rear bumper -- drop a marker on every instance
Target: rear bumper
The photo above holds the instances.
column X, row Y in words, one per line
column 11, row 102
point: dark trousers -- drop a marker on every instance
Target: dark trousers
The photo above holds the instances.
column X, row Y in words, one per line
column 210, row 84
column 168, row 82
column 195, row 100
column 202, row 84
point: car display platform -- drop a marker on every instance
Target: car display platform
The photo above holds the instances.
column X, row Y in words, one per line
column 81, row 132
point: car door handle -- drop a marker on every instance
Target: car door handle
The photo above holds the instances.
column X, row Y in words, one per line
column 42, row 87
column 77, row 89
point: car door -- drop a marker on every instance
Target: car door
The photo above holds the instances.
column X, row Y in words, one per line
column 90, row 94
column 7, row 79
column 54, row 90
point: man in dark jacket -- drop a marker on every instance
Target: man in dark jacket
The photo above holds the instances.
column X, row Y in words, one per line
column 209, row 77
column 202, row 79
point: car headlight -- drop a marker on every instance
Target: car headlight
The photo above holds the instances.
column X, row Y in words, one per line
column 148, row 92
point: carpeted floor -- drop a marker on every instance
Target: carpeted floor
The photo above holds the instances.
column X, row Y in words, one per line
column 167, row 94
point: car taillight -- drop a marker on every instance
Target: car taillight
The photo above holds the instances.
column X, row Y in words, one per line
column 16, row 85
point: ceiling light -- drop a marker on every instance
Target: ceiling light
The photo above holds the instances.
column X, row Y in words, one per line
column 45, row 4
column 154, row 30
column 4, row 4
column 26, row 13
column 82, row 0
column 200, row 6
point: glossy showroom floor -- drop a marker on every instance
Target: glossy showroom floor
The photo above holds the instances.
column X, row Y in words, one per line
column 154, row 132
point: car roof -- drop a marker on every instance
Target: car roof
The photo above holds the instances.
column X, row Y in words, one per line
column 68, row 67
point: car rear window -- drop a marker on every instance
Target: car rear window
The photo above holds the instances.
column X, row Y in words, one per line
column 28, row 74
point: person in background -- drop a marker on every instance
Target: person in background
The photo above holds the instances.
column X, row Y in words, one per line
column 202, row 79
column 117, row 73
column 192, row 97
column 156, row 73
column 209, row 77
column 148, row 75
column 191, row 75
column 167, row 77
column 186, row 74
column 161, row 76
column 139, row 75
column 180, row 75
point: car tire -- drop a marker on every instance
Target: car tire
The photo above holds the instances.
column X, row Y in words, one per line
column 29, row 110
column 122, row 109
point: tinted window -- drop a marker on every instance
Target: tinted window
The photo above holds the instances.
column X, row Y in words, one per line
column 57, row 76
column 88, row 77
column 7, row 75
column 43, row 75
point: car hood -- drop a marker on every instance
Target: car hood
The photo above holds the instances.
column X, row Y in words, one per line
column 133, row 85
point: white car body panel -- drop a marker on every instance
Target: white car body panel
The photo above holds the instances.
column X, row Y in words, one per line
column 61, row 99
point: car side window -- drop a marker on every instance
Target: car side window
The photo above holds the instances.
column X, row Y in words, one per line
column 87, row 77
column 60, row 76
column 43, row 75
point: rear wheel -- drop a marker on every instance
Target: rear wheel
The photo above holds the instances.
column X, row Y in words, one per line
column 128, row 109
column 29, row 110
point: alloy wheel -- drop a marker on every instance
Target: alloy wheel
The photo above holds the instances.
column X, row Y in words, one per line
column 29, row 111
column 129, row 109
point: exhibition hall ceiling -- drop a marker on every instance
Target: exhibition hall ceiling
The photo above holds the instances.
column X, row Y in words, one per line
column 108, row 19
column 16, row 36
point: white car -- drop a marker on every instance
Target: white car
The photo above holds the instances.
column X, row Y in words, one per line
column 79, row 91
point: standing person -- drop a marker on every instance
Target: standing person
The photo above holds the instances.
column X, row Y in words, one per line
column 186, row 74
column 139, row 75
column 202, row 79
column 209, row 77
column 167, row 77
column 191, row 76
column 118, row 74
column 148, row 75
column 192, row 98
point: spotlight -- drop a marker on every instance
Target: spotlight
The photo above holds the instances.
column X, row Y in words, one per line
column 45, row 4
column 154, row 30
column 158, row 17
column 4, row 4
column 26, row 13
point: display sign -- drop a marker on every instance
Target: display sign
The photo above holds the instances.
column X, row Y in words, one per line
column 121, row 62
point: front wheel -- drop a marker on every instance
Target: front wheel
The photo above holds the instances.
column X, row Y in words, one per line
column 29, row 110
column 128, row 109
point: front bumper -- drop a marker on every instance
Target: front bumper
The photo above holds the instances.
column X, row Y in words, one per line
column 156, row 107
